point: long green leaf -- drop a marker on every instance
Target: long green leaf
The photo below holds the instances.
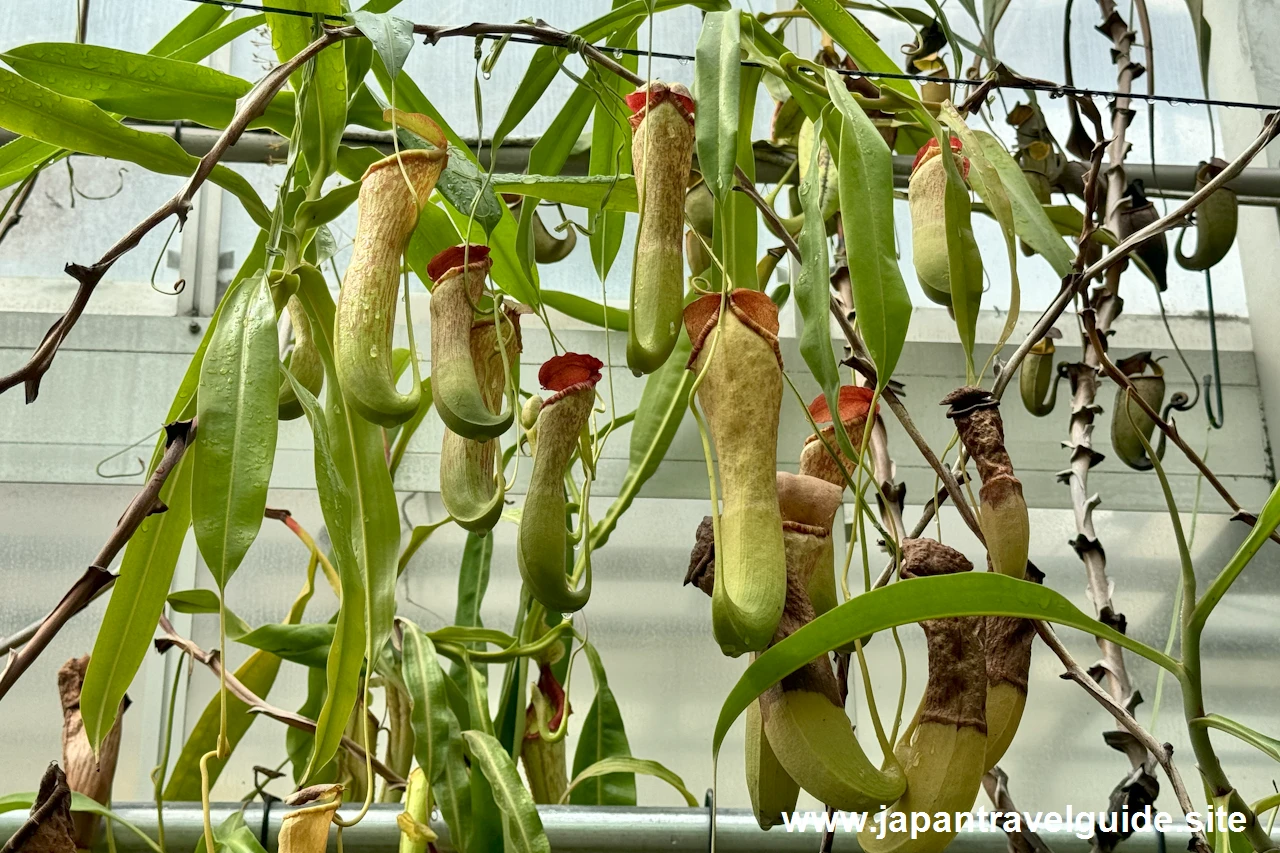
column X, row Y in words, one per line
column 581, row 308
column 199, row 22
column 1268, row 520
column 487, row 822
column 524, row 826
column 970, row 594
column 431, row 717
column 610, row 156
column 964, row 262
column 866, row 206
column 236, row 433
column 736, row 218
column 590, row 191
column 151, row 555
column 211, row 41
column 627, row 764
column 137, row 600
column 29, row 109
column 1030, row 221
column 603, row 737
column 189, row 37
column 507, row 272
column 544, row 65
column 473, row 582
column 717, row 81
column 299, row 744
column 658, row 416
column 1269, row 746
column 140, row 86
column 322, row 86
column 358, row 468
column 813, row 288
column 988, row 183
column 258, row 673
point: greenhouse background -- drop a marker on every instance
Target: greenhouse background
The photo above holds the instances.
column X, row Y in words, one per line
column 68, row 463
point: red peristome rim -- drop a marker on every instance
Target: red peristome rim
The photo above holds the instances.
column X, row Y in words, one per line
column 563, row 372
column 753, row 307
column 454, row 256
column 931, row 146
column 853, row 402
column 656, row 94
column 554, row 694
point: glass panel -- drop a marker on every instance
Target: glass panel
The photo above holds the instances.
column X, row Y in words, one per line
column 79, row 208
column 48, row 536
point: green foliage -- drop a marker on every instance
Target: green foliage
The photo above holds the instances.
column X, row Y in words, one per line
column 235, row 444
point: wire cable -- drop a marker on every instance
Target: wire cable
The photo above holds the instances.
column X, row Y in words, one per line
column 1052, row 89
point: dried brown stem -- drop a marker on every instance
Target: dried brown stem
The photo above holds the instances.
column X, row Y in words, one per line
column 1165, row 223
column 1089, row 318
column 1162, row 752
column 258, row 705
column 996, row 784
column 251, row 106
column 1083, row 375
column 97, row 577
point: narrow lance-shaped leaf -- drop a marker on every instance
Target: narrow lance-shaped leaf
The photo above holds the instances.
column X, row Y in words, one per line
column 151, row 556
column 507, row 272
column 258, row 673
column 136, row 602
column 989, row 185
column 32, row 110
column 964, row 263
column 625, row 763
column 661, row 409
column 970, row 594
column 603, row 736
column 1030, row 220
column 211, row 41
column 189, row 40
column 813, row 288
column 141, row 86
column 866, row 206
column 473, row 582
column 742, row 218
column 355, row 474
column 322, row 85
column 524, row 827
column 236, row 433
column 543, row 67
column 610, row 156
column 431, row 716
column 717, row 75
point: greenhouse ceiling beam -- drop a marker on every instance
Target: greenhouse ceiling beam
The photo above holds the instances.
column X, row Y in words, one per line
column 1255, row 186
column 573, row 829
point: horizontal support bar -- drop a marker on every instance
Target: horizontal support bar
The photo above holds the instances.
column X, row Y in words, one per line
column 1255, row 186
column 578, row 829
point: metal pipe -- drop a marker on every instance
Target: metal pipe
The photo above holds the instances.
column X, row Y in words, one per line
column 575, row 829
column 1255, row 186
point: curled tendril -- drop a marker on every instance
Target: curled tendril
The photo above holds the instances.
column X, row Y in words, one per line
column 142, row 466
column 179, row 285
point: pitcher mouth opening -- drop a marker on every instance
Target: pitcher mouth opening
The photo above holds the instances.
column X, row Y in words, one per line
column 455, row 257
column 567, row 373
